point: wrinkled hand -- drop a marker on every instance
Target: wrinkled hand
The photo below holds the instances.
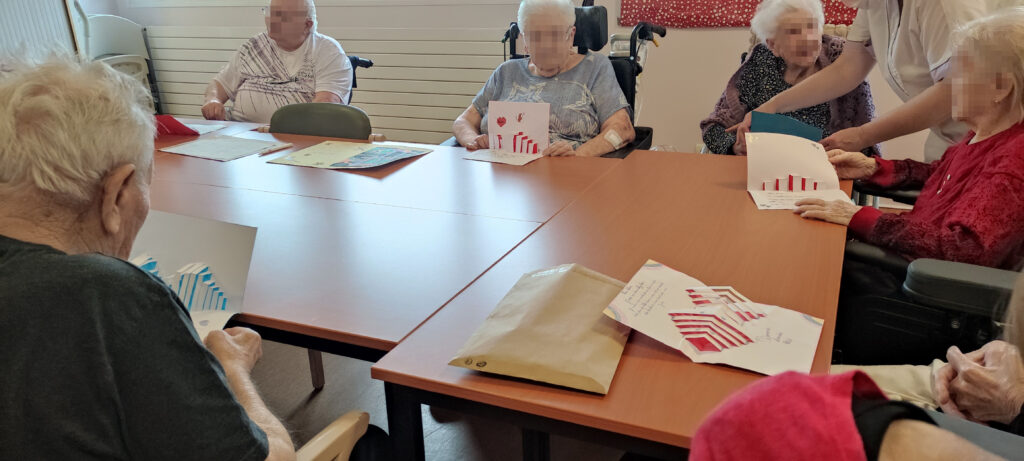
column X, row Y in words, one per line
column 852, row 165
column 559, row 149
column 992, row 390
column 836, row 211
column 214, row 110
column 235, row 347
column 482, row 141
column 944, row 376
column 850, row 140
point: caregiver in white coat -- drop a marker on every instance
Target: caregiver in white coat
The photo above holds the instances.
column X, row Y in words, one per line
column 909, row 40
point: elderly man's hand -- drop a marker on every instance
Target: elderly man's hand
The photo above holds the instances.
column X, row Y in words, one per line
column 559, row 149
column 479, row 142
column 850, row 139
column 852, row 165
column 235, row 347
column 214, row 110
column 992, row 390
column 836, row 211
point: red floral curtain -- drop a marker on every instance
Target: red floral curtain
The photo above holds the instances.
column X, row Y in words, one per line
column 711, row 13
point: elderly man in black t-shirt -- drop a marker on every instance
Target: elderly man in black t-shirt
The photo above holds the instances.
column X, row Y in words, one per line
column 98, row 359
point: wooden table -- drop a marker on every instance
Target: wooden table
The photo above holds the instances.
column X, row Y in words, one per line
column 688, row 211
column 351, row 262
column 441, row 180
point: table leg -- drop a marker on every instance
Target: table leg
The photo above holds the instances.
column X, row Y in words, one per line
column 316, row 368
column 405, row 423
column 536, row 445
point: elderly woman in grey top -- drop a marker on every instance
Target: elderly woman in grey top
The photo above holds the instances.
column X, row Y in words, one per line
column 589, row 113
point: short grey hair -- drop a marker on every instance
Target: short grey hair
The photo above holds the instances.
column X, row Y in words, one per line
column 766, row 19
column 529, row 8
column 998, row 42
column 65, row 123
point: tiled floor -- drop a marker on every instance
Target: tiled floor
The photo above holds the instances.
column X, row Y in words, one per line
column 282, row 377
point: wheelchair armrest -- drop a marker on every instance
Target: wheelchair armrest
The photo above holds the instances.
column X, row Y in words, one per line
column 450, row 142
column 877, row 256
column 997, row 442
column 908, row 197
column 958, row 286
column 643, row 140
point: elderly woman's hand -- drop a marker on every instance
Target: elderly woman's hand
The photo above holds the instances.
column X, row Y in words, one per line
column 850, row 139
column 214, row 110
column 480, row 142
column 836, row 211
column 992, row 390
column 559, row 149
column 852, row 165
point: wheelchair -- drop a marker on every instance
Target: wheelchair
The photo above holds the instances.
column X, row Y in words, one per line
column 940, row 304
column 592, row 34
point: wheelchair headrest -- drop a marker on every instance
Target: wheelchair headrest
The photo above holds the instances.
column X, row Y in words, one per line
column 591, row 27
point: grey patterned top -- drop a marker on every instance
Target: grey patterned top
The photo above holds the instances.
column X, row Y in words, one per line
column 581, row 98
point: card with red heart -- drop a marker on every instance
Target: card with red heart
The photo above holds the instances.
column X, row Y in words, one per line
column 518, row 127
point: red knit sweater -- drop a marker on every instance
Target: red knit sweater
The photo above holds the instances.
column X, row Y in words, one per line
column 971, row 207
column 792, row 417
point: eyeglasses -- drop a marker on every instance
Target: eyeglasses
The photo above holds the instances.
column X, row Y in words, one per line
column 282, row 15
column 547, row 35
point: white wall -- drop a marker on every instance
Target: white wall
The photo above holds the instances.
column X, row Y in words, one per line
column 99, row 6
column 684, row 79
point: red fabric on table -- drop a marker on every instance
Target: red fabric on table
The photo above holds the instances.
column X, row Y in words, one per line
column 792, row 416
column 711, row 13
column 166, row 124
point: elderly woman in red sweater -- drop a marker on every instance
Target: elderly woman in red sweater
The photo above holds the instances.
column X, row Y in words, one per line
column 971, row 207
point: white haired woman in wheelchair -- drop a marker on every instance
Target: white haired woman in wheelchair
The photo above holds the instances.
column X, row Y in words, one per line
column 589, row 113
column 971, row 207
column 792, row 49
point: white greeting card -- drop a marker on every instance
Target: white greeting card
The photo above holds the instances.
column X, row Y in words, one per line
column 518, row 127
column 783, row 169
column 715, row 324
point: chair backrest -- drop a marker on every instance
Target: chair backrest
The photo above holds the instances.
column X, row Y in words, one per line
column 321, row 119
column 336, row 441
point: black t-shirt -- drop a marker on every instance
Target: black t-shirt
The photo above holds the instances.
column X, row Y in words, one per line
column 99, row 360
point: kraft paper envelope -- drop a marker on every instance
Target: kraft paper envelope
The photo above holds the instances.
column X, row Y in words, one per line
column 551, row 328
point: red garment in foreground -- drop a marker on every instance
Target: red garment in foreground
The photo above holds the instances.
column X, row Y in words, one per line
column 971, row 207
column 791, row 417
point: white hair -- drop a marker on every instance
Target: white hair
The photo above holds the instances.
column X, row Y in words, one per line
column 66, row 123
column 311, row 12
column 765, row 22
column 529, row 8
column 997, row 42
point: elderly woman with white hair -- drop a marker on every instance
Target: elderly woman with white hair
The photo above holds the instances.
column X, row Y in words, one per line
column 100, row 359
column 971, row 207
column 589, row 113
column 290, row 63
column 910, row 41
column 791, row 49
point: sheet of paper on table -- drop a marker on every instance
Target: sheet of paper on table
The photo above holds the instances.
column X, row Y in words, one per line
column 715, row 324
column 204, row 262
column 516, row 130
column 783, row 169
column 496, row 156
column 349, row 155
column 225, row 148
column 203, row 128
